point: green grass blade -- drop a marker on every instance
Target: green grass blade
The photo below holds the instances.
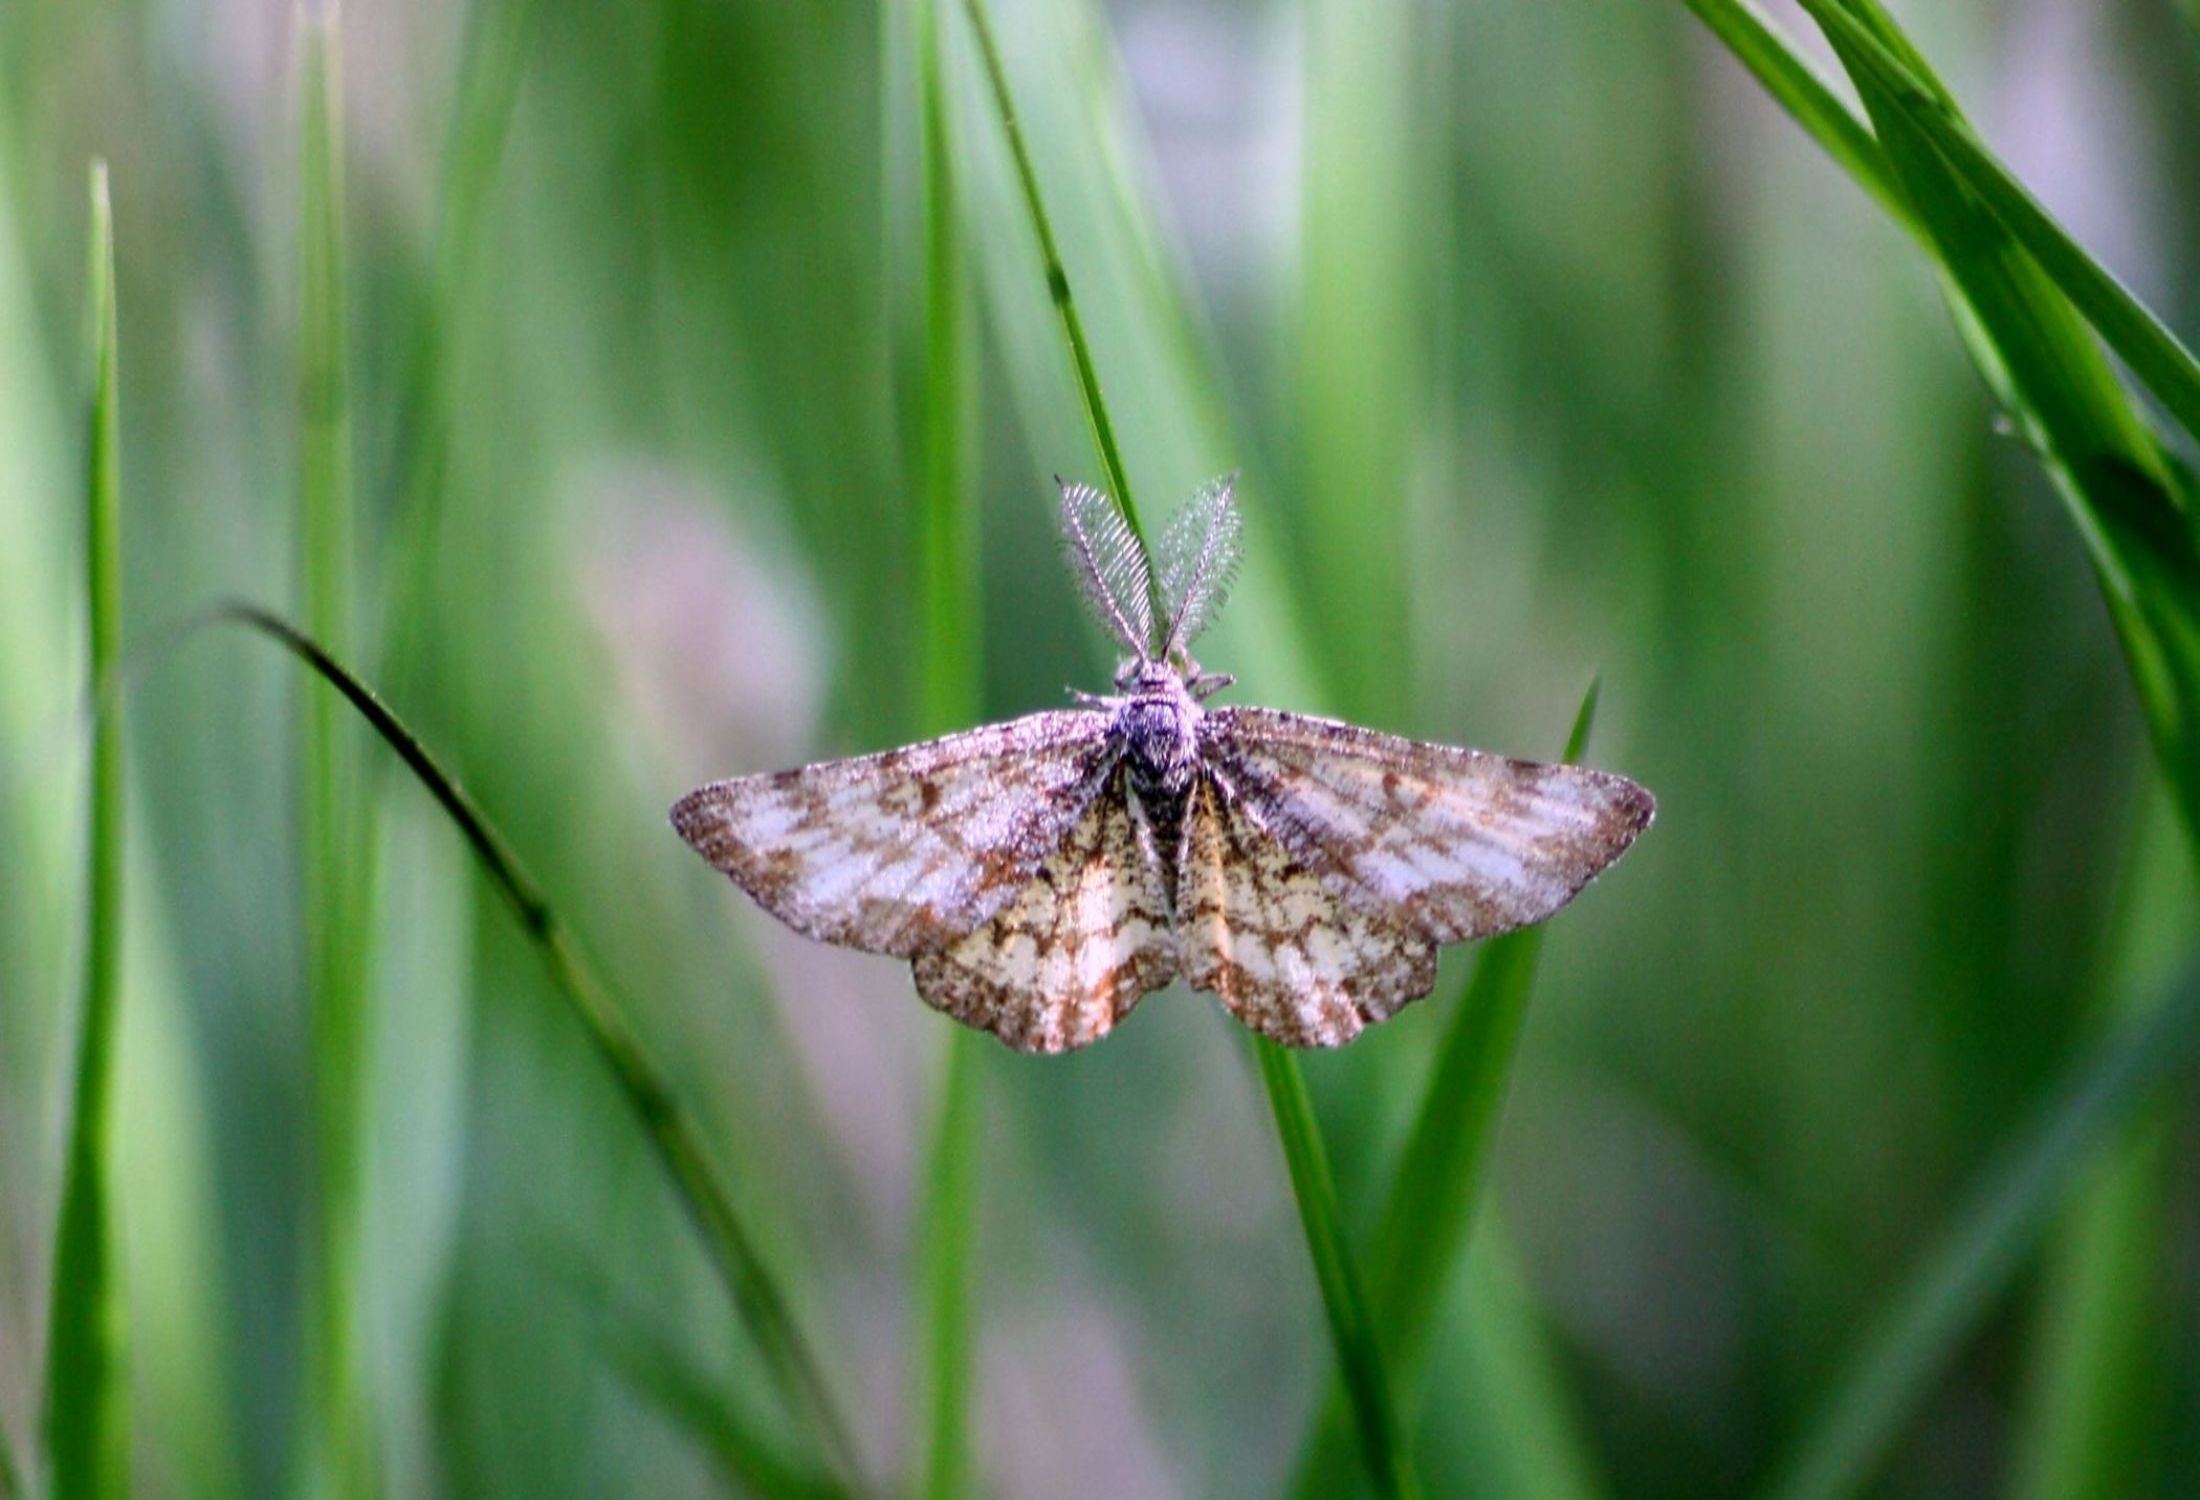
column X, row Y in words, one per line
column 1058, row 289
column 2153, row 353
column 87, row 1375
column 1303, row 1152
column 1428, row 1217
column 1361, row 336
column 341, row 1446
column 671, row 1130
column 491, row 64
column 1344, row 1297
column 949, row 645
column 2099, row 1387
column 1797, row 86
column 950, row 1236
column 11, row 1481
column 1987, row 1242
column 1295, row 1125
column 2097, row 1409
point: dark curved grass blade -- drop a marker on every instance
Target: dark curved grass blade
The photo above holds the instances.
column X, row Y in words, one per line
column 1428, row 1217
column 672, row 1132
column 1987, row 1242
column 87, row 1376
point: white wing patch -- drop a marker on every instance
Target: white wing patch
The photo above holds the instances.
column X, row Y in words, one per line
column 1455, row 844
column 903, row 851
column 1264, row 934
column 1073, row 952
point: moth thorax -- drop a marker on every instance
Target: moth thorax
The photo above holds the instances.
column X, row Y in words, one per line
column 1161, row 739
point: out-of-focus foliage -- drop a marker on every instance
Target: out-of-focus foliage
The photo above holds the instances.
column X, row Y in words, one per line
column 1548, row 347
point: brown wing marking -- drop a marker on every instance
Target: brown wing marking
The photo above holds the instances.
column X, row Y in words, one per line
column 1058, row 966
column 1263, row 933
column 902, row 851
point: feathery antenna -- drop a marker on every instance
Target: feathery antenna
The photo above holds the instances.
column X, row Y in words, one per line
column 1110, row 565
column 1199, row 560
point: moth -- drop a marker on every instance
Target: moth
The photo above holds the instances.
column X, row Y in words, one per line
column 1044, row 874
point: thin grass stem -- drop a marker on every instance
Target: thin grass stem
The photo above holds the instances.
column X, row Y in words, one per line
column 1351, row 1328
column 949, row 683
column 87, row 1376
column 950, row 1236
column 1427, row 1219
column 1058, row 288
column 672, row 1132
column 340, row 1446
column 1296, row 1128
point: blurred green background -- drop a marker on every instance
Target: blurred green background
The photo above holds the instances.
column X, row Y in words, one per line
column 1549, row 348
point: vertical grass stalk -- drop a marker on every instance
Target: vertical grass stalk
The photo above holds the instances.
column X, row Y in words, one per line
column 1296, row 1129
column 1351, row 1327
column 340, row 1446
column 1427, row 1219
column 1058, row 292
column 87, row 1375
column 1362, row 335
column 2091, row 1423
column 948, row 646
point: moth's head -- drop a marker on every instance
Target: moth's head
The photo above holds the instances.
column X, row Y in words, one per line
column 1186, row 578
column 1144, row 675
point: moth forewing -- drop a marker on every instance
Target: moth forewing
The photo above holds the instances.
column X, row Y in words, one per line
column 1460, row 843
column 900, row 851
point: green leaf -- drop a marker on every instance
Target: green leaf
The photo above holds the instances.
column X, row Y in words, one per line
column 1797, row 86
column 87, row 1375
column 1988, row 1240
column 671, row 1130
column 2021, row 322
column 1427, row 1217
column 2153, row 353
